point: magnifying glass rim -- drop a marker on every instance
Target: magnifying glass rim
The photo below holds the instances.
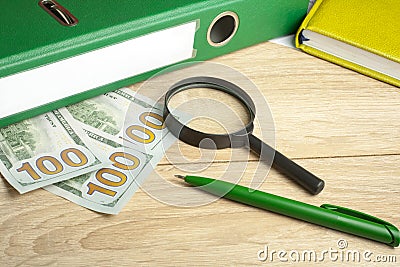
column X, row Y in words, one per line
column 194, row 137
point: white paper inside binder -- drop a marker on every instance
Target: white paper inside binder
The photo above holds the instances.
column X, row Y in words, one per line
column 74, row 75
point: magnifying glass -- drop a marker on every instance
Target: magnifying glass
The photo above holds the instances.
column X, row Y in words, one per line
column 236, row 138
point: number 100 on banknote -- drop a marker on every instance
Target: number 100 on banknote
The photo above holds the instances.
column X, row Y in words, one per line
column 45, row 150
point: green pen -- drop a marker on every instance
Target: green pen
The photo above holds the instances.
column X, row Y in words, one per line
column 334, row 217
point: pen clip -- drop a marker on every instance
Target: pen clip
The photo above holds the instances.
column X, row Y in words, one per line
column 356, row 214
column 392, row 230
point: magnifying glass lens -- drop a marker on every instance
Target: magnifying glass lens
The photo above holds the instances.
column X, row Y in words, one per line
column 211, row 111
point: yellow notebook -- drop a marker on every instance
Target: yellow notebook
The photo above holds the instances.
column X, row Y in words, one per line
column 358, row 34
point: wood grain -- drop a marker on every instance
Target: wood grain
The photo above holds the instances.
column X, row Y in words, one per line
column 339, row 124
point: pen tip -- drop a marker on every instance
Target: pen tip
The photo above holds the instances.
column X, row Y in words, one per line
column 179, row 176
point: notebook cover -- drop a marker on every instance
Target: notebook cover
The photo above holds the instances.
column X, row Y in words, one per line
column 370, row 25
column 32, row 39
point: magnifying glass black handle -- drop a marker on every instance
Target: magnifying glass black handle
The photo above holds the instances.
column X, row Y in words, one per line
column 286, row 166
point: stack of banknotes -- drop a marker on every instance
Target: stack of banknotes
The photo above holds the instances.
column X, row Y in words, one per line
column 95, row 153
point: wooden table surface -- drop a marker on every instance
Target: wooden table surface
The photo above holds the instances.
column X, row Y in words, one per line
column 343, row 126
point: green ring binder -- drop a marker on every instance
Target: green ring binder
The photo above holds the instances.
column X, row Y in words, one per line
column 45, row 65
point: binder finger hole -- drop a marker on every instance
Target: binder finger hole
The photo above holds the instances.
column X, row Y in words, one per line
column 223, row 28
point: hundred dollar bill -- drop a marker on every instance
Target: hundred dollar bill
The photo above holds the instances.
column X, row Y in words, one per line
column 128, row 128
column 125, row 117
column 108, row 189
column 45, row 150
column 107, row 115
